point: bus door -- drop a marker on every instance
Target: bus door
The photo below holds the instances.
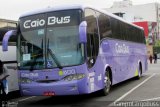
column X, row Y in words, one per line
column 92, row 48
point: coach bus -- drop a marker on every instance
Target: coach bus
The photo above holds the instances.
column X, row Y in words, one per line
column 10, row 68
column 8, row 59
column 76, row 50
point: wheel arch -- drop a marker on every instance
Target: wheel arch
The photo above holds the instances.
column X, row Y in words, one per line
column 140, row 67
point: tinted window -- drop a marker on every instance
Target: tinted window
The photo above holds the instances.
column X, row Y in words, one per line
column 104, row 25
column 50, row 40
column 92, row 36
column 115, row 26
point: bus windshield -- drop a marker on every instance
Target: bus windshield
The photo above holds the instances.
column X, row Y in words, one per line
column 50, row 40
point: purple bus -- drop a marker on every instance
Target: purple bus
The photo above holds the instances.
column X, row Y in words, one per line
column 76, row 50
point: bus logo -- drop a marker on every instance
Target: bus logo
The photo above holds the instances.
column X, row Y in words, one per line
column 29, row 74
column 55, row 20
column 41, row 22
column 32, row 24
column 121, row 48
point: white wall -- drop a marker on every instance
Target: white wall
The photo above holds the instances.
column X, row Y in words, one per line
column 9, row 55
column 124, row 3
column 146, row 12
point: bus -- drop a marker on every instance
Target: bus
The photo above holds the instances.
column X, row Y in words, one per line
column 8, row 58
column 10, row 68
column 72, row 50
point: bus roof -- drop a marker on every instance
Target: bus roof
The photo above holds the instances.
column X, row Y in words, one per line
column 50, row 9
column 66, row 7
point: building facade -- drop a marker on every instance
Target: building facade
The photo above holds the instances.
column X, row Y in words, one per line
column 124, row 3
column 6, row 25
column 138, row 13
column 150, row 32
column 146, row 16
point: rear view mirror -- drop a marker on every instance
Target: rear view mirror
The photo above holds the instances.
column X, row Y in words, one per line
column 6, row 38
column 83, row 32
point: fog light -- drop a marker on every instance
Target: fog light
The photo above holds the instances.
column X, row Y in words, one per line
column 74, row 88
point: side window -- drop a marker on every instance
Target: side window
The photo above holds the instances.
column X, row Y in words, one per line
column 123, row 30
column 143, row 37
column 104, row 25
column 92, row 36
column 127, row 36
column 138, row 37
column 130, row 33
column 115, row 26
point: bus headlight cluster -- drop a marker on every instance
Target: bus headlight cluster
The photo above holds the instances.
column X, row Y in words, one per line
column 25, row 80
column 74, row 77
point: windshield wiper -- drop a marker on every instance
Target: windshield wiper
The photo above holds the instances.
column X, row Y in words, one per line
column 53, row 56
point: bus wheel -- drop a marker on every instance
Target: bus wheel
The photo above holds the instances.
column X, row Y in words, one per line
column 107, row 84
column 139, row 72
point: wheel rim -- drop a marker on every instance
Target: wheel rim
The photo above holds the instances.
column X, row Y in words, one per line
column 139, row 73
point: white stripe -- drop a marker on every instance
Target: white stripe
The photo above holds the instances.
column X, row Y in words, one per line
column 123, row 96
column 26, row 98
column 151, row 99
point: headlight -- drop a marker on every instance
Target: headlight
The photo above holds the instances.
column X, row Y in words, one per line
column 25, row 80
column 74, row 77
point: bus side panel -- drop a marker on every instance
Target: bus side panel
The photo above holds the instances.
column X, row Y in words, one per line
column 8, row 56
column 123, row 58
column 13, row 77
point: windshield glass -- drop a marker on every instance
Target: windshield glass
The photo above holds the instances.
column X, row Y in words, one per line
column 50, row 40
column 63, row 41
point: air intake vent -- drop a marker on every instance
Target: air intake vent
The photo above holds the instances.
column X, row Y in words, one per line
column 46, row 81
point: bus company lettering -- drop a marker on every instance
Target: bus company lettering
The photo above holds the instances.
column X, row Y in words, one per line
column 41, row 22
column 29, row 74
column 32, row 24
column 121, row 48
column 55, row 20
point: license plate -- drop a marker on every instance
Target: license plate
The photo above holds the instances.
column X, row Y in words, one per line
column 49, row 93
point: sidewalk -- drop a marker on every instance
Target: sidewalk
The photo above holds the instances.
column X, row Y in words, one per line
column 154, row 67
column 158, row 62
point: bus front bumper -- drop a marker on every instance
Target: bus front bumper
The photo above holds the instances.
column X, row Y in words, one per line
column 57, row 88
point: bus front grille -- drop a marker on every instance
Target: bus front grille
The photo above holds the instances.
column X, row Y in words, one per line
column 46, row 81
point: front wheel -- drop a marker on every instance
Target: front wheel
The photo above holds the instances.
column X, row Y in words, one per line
column 107, row 84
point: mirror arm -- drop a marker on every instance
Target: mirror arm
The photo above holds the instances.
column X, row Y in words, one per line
column 6, row 38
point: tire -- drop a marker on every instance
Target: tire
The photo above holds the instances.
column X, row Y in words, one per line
column 139, row 73
column 107, row 84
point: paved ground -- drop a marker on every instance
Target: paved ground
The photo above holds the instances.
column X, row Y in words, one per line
column 145, row 89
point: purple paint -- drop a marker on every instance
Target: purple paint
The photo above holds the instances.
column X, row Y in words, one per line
column 59, row 86
column 121, row 56
column 83, row 32
column 6, row 38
